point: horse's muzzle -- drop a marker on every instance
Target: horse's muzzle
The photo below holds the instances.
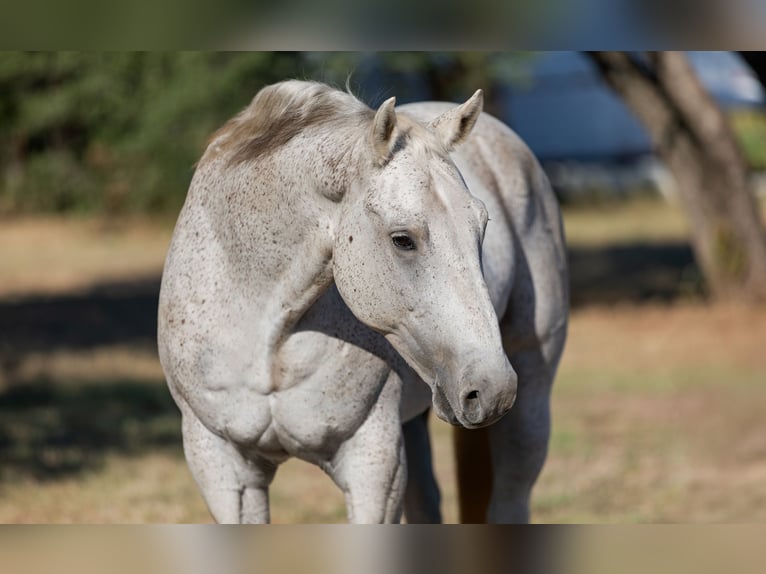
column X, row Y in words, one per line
column 482, row 399
column 485, row 397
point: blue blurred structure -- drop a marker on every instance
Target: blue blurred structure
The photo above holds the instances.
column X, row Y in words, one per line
column 563, row 110
column 585, row 136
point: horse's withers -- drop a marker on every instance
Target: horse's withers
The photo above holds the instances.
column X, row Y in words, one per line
column 407, row 262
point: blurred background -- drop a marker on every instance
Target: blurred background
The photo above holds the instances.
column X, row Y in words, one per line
column 657, row 160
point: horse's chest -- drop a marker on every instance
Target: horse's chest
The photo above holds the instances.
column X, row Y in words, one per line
column 324, row 390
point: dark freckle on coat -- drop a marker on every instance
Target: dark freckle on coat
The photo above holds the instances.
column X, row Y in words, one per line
column 350, row 238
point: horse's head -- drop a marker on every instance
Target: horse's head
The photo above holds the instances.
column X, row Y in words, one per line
column 407, row 262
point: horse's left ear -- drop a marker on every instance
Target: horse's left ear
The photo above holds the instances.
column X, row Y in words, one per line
column 453, row 126
column 384, row 133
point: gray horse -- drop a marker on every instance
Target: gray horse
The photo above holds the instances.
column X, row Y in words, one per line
column 331, row 277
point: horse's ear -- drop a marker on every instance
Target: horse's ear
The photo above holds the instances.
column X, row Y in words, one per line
column 453, row 126
column 383, row 133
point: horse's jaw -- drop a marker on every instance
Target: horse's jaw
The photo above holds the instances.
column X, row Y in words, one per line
column 441, row 404
column 493, row 383
column 442, row 407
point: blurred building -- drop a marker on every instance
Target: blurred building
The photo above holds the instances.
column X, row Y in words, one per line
column 560, row 106
column 587, row 139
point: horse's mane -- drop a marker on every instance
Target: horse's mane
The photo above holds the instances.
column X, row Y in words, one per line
column 278, row 113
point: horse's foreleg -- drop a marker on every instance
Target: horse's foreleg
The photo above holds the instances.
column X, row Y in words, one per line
column 234, row 488
column 370, row 467
column 422, row 498
column 519, row 441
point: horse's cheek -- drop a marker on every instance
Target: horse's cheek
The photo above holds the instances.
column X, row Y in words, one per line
column 346, row 276
column 355, row 269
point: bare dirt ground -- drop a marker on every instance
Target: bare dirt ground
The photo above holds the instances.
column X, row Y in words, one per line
column 657, row 409
column 52, row 255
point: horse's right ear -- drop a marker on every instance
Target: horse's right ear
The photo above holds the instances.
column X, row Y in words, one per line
column 384, row 132
column 454, row 125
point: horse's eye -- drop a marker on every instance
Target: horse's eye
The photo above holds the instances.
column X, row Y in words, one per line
column 403, row 241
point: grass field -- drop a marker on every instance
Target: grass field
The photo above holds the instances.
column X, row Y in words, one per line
column 657, row 410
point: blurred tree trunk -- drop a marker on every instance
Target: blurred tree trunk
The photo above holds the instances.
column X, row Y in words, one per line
column 691, row 135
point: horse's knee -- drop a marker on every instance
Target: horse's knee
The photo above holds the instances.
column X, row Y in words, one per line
column 373, row 499
column 371, row 470
column 518, row 461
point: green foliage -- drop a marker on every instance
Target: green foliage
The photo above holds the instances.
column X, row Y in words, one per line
column 120, row 132
column 454, row 76
column 750, row 130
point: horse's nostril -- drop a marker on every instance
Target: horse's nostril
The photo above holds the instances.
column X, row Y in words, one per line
column 473, row 411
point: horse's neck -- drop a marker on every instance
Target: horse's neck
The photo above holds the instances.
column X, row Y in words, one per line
column 275, row 221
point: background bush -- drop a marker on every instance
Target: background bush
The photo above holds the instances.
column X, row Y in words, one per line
column 120, row 132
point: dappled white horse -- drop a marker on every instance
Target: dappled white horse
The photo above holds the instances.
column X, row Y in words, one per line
column 330, row 260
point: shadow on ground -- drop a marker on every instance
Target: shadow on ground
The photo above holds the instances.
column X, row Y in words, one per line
column 107, row 314
column 633, row 273
column 50, row 430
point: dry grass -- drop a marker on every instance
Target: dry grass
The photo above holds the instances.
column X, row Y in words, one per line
column 645, row 220
column 658, row 409
column 151, row 488
column 653, row 340
column 658, row 418
column 42, row 255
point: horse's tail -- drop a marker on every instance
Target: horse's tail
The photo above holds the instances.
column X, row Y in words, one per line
column 474, row 473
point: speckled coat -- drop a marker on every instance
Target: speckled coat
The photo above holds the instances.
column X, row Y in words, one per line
column 331, row 277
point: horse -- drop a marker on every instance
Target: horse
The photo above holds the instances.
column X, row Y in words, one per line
column 335, row 273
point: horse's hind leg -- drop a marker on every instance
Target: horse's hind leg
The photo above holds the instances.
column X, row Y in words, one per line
column 519, row 441
column 235, row 489
column 422, row 498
